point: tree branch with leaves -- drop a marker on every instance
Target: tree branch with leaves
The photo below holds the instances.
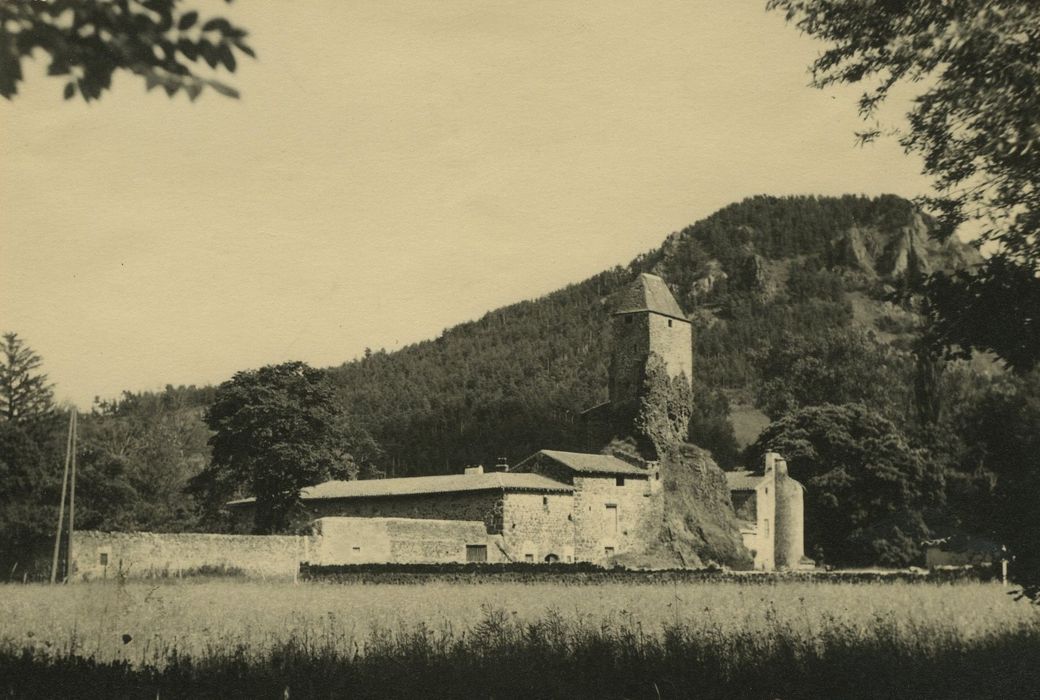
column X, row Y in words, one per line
column 87, row 41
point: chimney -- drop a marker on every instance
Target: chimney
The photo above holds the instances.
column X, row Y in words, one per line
column 479, row 469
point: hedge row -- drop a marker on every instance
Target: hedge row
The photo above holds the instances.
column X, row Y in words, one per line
column 587, row 573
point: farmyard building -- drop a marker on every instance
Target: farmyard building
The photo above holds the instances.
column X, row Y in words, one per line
column 553, row 505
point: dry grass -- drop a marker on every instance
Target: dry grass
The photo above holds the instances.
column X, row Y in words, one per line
column 781, row 632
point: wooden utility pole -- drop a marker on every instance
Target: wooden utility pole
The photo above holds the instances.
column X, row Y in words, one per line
column 72, row 501
column 61, row 507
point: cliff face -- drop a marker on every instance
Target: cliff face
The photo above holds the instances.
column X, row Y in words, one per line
column 894, row 254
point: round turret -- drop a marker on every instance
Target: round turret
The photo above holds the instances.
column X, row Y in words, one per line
column 790, row 522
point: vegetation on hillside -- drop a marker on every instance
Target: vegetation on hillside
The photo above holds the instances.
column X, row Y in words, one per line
column 794, row 303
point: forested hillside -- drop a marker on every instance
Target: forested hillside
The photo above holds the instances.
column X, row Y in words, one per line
column 762, row 274
column 797, row 317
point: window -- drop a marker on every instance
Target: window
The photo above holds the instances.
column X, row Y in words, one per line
column 355, row 548
column 765, row 527
column 657, row 476
column 619, row 481
column 608, row 551
column 476, row 552
column 103, row 558
column 545, row 502
column 612, row 519
column 669, row 323
column 628, row 319
column 529, row 557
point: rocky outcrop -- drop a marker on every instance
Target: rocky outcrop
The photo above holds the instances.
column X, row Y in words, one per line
column 900, row 253
column 698, row 525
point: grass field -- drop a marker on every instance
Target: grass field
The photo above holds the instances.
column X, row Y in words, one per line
column 789, row 639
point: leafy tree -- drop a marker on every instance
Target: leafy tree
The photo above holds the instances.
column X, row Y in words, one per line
column 278, row 430
column 867, row 489
column 1002, row 433
column 23, row 475
column 89, row 40
column 975, row 126
column 143, row 449
column 845, row 366
column 974, row 123
column 997, row 310
column 24, row 392
column 711, row 428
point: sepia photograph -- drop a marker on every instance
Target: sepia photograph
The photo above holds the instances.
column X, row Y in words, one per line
column 520, row 349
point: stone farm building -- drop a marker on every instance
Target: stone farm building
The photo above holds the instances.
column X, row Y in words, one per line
column 554, row 506
column 551, row 506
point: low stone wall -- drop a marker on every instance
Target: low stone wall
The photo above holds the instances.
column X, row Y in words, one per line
column 98, row 555
column 401, row 540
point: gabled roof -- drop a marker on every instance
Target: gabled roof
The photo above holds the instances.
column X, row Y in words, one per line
column 585, row 463
column 743, row 480
column 649, row 293
column 414, row 485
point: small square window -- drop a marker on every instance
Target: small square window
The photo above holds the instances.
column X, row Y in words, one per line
column 628, row 319
column 669, row 323
column 103, row 558
column 529, row 557
column 608, row 551
column 619, row 481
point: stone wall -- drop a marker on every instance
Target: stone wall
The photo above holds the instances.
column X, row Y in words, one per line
column 631, row 347
column 635, row 336
column 590, row 527
column 537, row 525
column 765, row 525
column 611, row 519
column 400, row 540
column 98, row 555
column 482, row 506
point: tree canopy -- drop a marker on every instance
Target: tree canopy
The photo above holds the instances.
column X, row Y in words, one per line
column 867, row 488
column 87, row 41
column 840, row 366
column 25, row 393
column 975, row 125
column 277, row 430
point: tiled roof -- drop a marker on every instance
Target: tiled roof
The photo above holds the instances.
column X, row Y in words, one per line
column 743, row 480
column 408, row 486
column 585, row 463
column 649, row 293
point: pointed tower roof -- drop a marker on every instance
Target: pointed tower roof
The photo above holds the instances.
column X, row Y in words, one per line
column 649, row 293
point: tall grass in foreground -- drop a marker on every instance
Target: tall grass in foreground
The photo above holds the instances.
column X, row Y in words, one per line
column 705, row 641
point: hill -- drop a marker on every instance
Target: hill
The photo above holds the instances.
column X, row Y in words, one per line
column 753, row 276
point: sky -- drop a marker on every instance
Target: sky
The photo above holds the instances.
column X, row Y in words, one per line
column 391, row 170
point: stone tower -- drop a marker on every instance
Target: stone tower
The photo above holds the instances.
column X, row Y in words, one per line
column 647, row 320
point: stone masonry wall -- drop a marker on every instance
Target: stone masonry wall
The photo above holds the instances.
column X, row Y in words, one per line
column 631, row 346
column 433, row 541
column 635, row 336
column 400, row 540
column 98, row 555
column 537, row 525
column 483, row 506
column 674, row 343
column 594, row 521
